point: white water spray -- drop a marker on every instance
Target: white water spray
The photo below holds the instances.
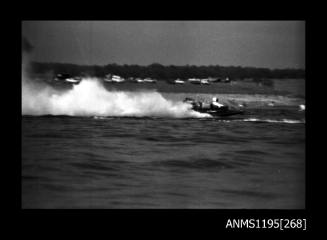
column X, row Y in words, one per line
column 90, row 98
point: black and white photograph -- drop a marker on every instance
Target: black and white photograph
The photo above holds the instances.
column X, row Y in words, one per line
column 163, row 114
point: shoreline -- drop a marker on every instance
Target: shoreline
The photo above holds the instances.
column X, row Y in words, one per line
column 279, row 87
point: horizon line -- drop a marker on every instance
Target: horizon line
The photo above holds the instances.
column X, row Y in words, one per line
column 186, row 65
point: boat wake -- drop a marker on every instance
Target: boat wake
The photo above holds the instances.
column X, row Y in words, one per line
column 292, row 121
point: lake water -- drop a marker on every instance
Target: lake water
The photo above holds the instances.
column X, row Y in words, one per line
column 121, row 146
column 253, row 161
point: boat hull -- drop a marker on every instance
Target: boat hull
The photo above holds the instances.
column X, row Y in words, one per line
column 221, row 113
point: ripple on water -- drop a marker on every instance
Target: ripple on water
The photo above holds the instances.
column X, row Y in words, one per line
column 197, row 164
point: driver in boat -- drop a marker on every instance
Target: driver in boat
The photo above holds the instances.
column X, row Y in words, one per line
column 215, row 103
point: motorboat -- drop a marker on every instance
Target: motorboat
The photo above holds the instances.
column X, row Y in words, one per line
column 214, row 111
column 149, row 80
column 138, row 80
column 113, row 78
column 178, row 81
column 204, row 81
column 67, row 78
column 194, row 80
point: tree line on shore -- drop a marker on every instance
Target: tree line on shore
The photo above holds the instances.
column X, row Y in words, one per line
column 161, row 72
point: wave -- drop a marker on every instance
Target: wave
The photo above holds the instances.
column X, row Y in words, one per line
column 273, row 120
column 196, row 163
column 90, row 98
column 257, row 120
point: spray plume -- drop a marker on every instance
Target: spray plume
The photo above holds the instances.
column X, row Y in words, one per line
column 90, row 98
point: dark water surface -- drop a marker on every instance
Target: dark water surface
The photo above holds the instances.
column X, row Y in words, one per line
column 256, row 161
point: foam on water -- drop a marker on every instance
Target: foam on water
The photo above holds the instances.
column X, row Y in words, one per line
column 273, row 120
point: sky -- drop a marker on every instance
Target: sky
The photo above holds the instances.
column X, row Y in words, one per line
column 269, row 44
